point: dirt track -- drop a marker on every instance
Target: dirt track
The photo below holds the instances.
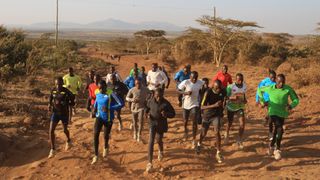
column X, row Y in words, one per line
column 128, row 159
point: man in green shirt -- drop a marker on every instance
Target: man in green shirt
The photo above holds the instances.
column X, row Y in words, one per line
column 278, row 109
column 73, row 83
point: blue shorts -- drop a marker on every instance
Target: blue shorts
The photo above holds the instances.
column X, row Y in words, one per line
column 57, row 117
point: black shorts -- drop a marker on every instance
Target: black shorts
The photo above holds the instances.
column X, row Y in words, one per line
column 216, row 122
column 231, row 114
column 57, row 117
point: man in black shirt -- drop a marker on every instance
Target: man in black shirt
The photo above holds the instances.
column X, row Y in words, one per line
column 60, row 100
column 158, row 110
column 121, row 90
column 212, row 106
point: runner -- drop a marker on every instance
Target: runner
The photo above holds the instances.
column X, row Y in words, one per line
column 271, row 80
column 138, row 97
column 236, row 106
column 162, row 68
column 180, row 76
column 223, row 76
column 104, row 108
column 59, row 102
column 113, row 72
column 278, row 109
column 135, row 68
column 130, row 80
column 89, row 80
column 73, row 83
column 120, row 89
column 143, row 76
column 190, row 89
column 93, row 88
column 156, row 78
column 212, row 105
column 158, row 110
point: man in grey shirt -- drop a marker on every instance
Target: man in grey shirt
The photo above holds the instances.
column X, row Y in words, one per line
column 138, row 97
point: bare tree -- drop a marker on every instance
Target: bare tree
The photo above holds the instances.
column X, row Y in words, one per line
column 149, row 36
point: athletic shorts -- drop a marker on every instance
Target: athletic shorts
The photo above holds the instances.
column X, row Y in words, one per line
column 231, row 114
column 57, row 117
column 195, row 111
column 216, row 122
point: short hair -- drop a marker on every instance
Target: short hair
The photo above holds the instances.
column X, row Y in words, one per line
column 159, row 91
column 272, row 72
column 218, row 82
column 239, row 75
column 103, row 83
column 205, row 80
column 194, row 73
column 70, row 68
column 282, row 76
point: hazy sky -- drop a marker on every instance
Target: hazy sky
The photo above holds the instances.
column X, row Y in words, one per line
column 293, row 16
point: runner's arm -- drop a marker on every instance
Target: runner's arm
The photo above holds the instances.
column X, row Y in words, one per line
column 118, row 103
column 294, row 98
column 129, row 96
column 169, row 111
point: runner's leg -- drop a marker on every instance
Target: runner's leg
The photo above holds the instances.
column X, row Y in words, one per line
column 135, row 124
column 107, row 130
column 97, row 128
column 186, row 114
column 242, row 124
column 53, row 125
column 152, row 134
column 141, row 120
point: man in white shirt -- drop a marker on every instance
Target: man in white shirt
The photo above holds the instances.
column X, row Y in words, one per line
column 191, row 102
column 156, row 78
column 113, row 71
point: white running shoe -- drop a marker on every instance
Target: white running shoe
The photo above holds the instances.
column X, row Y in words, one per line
column 51, row 153
column 270, row 136
column 277, row 154
column 149, row 167
column 240, row 144
column 105, row 152
column 68, row 145
column 194, row 144
column 160, row 155
column 94, row 160
column 219, row 157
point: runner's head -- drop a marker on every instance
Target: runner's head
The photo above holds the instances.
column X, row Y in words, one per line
column 188, row 66
column 58, row 82
column 281, row 80
column 185, row 70
column 154, row 67
column 71, row 72
column 97, row 78
column 194, row 76
column 135, row 66
column 206, row 82
column 91, row 74
column 217, row 86
column 112, row 69
column 113, row 78
column 143, row 69
column 102, row 86
column 137, row 83
column 239, row 79
column 135, row 73
column 160, row 68
column 272, row 75
column 158, row 94
column 224, row 69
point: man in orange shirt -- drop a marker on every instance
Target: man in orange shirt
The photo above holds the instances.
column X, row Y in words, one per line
column 223, row 76
column 93, row 87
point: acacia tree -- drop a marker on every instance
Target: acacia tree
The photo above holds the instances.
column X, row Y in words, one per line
column 149, row 36
column 222, row 32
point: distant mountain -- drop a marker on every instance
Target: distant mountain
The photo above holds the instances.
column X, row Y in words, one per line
column 108, row 24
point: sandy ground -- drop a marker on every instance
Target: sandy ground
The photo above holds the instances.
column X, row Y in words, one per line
column 27, row 155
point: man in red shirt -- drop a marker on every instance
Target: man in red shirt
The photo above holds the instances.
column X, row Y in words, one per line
column 223, row 76
column 93, row 87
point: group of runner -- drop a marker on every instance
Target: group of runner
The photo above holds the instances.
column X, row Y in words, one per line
column 202, row 102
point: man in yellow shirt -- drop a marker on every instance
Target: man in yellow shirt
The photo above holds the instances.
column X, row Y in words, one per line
column 73, row 83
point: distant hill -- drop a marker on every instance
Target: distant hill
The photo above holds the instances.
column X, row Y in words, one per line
column 108, row 24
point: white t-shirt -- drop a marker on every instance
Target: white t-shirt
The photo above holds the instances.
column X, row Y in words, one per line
column 108, row 77
column 157, row 77
column 193, row 100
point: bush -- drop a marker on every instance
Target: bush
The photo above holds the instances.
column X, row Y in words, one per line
column 305, row 77
column 270, row 62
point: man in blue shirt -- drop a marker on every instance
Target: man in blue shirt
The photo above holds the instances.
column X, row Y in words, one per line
column 180, row 76
column 271, row 80
column 104, row 108
column 130, row 80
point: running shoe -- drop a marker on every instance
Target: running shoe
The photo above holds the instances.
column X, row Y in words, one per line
column 160, row 155
column 94, row 160
column 51, row 153
column 240, row 144
column 219, row 157
column 68, row 145
column 277, row 154
column 270, row 136
column 105, row 152
column 194, row 144
column 198, row 149
column 149, row 167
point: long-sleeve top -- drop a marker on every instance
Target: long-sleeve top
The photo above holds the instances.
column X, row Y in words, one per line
column 154, row 108
column 278, row 99
column 224, row 78
column 120, row 89
column 108, row 77
column 265, row 82
column 73, row 83
column 141, row 95
column 156, row 78
column 105, row 105
column 92, row 92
